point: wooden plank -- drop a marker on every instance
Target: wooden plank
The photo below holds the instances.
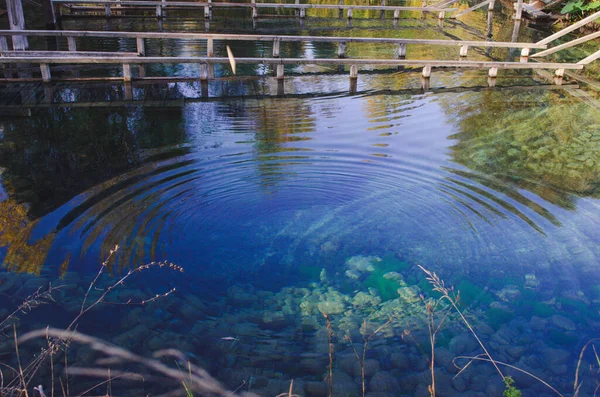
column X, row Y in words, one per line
column 567, row 45
column 519, row 11
column 589, row 59
column 571, row 28
column 475, row 7
column 292, row 61
column 248, row 37
column 71, row 43
column 252, row 5
column 65, row 53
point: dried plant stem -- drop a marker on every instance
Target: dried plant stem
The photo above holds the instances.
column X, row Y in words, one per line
column 330, row 339
column 576, row 384
column 361, row 359
column 480, row 358
column 21, row 376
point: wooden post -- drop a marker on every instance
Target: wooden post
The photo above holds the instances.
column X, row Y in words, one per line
column 126, row 72
column 141, row 46
column 349, row 13
column 442, row 15
column 427, row 71
column 382, row 12
column 525, row 52
column 45, row 69
column 72, row 44
column 491, row 5
column 401, row 51
column 142, row 71
column 16, row 21
column 254, row 10
column 302, row 13
column 493, row 72
column 210, row 47
column 280, row 71
column 203, row 72
column 49, row 15
column 464, row 49
column 353, row 71
column 159, row 12
column 341, row 49
column 3, row 43
column 128, row 88
column 107, row 10
column 559, row 73
column 276, row 48
column 297, row 10
column 519, row 13
column 396, row 14
column 206, row 12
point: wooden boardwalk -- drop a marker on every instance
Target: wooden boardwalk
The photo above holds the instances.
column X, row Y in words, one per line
column 120, row 8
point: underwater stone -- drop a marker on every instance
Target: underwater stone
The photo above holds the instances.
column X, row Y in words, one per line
column 563, row 323
column 400, row 360
column 331, row 307
column 531, row 281
column 409, row 294
column 384, row 381
column 363, row 299
column 362, row 264
column 317, row 389
column 510, row 293
column 461, row 344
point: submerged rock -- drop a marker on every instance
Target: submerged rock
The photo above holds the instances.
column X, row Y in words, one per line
column 357, row 265
column 563, row 323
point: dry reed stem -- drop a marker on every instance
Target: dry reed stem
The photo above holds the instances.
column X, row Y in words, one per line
column 202, row 381
column 480, row 358
column 330, row 339
column 576, row 384
column 439, row 286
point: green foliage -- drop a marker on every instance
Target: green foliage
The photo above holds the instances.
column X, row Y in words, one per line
column 511, row 390
column 580, row 7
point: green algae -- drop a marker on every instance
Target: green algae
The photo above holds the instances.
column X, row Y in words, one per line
column 386, row 288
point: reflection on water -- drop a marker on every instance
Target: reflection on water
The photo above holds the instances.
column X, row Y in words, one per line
column 281, row 209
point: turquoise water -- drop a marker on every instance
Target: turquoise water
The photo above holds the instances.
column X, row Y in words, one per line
column 282, row 209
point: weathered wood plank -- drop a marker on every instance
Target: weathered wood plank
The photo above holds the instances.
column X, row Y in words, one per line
column 475, row 7
column 569, row 44
column 293, row 61
column 71, row 54
column 571, row 28
column 252, row 5
column 589, row 59
column 247, row 37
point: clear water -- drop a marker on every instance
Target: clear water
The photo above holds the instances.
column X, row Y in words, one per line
column 280, row 209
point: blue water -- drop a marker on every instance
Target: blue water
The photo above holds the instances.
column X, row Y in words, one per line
column 280, row 209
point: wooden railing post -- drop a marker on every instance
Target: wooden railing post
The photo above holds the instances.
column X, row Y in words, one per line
column 464, row 49
column 280, row 71
column 203, row 72
column 276, row 52
column 16, row 21
column 140, row 45
column 341, row 49
column 126, row 72
column 210, row 47
column 427, row 71
column 401, row 51
column 45, row 69
column 71, row 43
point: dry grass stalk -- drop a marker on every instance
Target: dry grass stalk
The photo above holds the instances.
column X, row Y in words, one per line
column 23, row 376
column 330, row 339
column 361, row 359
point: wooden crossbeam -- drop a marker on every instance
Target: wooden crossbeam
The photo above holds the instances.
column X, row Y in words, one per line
column 569, row 44
column 571, row 28
column 258, row 37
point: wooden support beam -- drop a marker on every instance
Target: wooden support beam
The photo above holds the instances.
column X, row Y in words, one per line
column 559, row 73
column 470, row 9
column 341, row 49
column 519, row 10
column 349, row 13
column 353, row 71
column 382, row 12
column 569, row 44
column 159, row 12
column 140, row 46
column 210, row 47
column 401, row 52
column 525, row 52
column 464, row 49
column 276, row 52
column 491, row 5
column 571, row 28
column 427, row 71
column 16, row 21
column 280, row 71
column 590, row 58
column 107, row 10
column 493, row 72
column 126, row 72
column 3, row 44
column 254, row 9
column 302, row 13
column 442, row 14
column 204, row 71
column 396, row 14
column 206, row 12
column 45, row 69
column 71, row 43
